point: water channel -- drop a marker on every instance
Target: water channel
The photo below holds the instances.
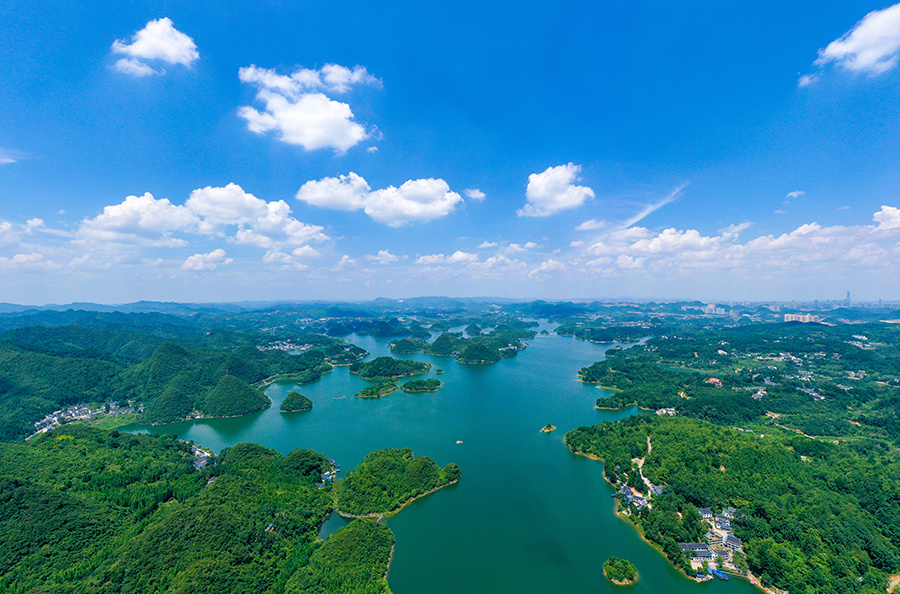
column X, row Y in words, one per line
column 527, row 516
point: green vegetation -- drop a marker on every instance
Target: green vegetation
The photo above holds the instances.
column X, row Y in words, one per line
column 231, row 397
column 383, row 368
column 378, row 390
column 407, row 346
column 427, row 385
column 353, row 559
column 85, row 510
column 386, row 480
column 621, row 572
column 812, row 514
column 295, row 401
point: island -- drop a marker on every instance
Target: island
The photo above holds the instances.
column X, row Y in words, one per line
column 548, row 428
column 621, row 572
column 383, row 368
column 420, row 385
column 387, row 480
column 378, row 390
column 295, row 402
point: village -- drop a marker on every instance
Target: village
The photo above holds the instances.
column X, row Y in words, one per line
column 83, row 412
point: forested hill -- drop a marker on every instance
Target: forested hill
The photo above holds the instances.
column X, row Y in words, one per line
column 814, row 516
column 47, row 368
column 89, row 511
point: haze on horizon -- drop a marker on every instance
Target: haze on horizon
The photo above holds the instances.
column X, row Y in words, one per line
column 333, row 150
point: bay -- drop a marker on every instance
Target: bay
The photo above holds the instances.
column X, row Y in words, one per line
column 527, row 516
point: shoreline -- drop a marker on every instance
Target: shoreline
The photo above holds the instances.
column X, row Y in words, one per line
column 754, row 581
column 390, row 514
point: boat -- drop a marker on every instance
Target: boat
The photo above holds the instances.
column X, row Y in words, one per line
column 718, row 574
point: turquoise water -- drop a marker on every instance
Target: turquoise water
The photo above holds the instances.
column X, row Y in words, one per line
column 527, row 516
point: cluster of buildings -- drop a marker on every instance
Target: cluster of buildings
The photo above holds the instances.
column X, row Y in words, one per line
column 81, row 412
column 720, row 545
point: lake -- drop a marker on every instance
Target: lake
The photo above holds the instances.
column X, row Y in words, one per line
column 527, row 515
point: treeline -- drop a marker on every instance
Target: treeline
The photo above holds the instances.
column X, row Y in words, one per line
column 426, row 385
column 387, row 479
column 90, row 511
column 814, row 517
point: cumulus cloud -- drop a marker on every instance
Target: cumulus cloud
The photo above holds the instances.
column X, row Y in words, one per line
column 383, row 257
column 487, row 244
column 795, row 194
column 457, row 257
column 227, row 212
column 415, row 200
column 209, row 261
column 158, row 41
column 872, row 46
column 297, row 108
column 345, row 262
column 28, row 261
column 674, row 251
column 553, row 191
column 474, row 194
column 7, row 233
column 550, row 265
column 139, row 220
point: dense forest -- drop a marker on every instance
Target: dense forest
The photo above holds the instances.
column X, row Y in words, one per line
column 814, row 516
column 386, row 480
column 382, row 368
column 620, row 571
column 295, row 401
column 422, row 385
column 378, row 390
column 87, row 510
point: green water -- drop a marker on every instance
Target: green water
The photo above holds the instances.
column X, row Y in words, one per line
column 527, row 516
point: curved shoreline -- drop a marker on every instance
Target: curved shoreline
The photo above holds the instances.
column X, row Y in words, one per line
column 393, row 512
column 754, row 581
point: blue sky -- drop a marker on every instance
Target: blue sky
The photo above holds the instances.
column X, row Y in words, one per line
column 217, row 152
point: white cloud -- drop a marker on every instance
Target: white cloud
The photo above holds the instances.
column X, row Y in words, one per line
column 229, row 205
column 33, row 224
column 550, row 265
column 372, row 149
column 553, row 191
column 296, row 107
column 345, row 262
column 515, row 248
column 7, row 234
column 159, row 41
column 732, row 231
column 871, row 46
column 33, row 261
column 136, row 68
column 139, row 219
column 795, row 194
column 887, row 218
column 415, row 200
column 457, row 257
column 487, row 244
column 807, row 80
column 347, row 192
column 382, row 257
column 474, row 194
column 209, row 261
column 592, row 225
column 651, row 208
column 8, row 157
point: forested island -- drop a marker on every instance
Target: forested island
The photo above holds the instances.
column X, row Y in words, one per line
column 421, row 385
column 383, row 368
column 295, row 402
column 387, row 480
column 378, row 390
column 621, row 572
